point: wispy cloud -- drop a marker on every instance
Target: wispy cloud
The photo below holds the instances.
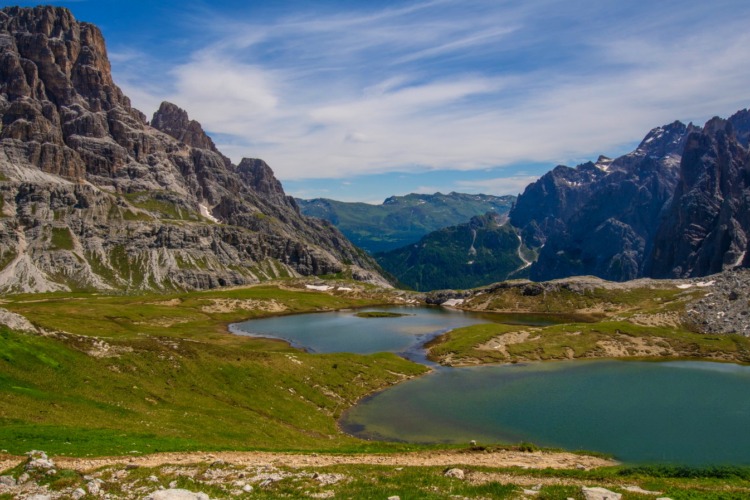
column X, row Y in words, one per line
column 457, row 85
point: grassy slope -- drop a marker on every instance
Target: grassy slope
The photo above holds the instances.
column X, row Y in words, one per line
column 177, row 380
column 443, row 259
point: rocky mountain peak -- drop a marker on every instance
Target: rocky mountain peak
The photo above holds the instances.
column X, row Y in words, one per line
column 741, row 124
column 260, row 177
column 92, row 197
column 663, row 141
column 174, row 121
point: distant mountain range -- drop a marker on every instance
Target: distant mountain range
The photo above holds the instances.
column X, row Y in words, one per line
column 402, row 220
column 677, row 206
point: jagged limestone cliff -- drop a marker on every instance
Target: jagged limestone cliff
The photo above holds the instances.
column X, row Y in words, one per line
column 93, row 197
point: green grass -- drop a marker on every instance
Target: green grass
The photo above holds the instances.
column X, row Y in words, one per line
column 175, row 379
column 379, row 314
column 61, row 239
column 612, row 329
column 582, row 340
column 161, row 203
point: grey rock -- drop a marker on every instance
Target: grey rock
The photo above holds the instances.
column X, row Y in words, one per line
column 177, row 494
column 597, row 493
column 394, row 497
column 78, row 493
column 94, row 487
column 7, row 480
column 455, row 473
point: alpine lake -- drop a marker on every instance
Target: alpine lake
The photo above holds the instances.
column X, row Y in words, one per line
column 676, row 412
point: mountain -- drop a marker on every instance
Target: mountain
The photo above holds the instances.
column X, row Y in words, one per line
column 706, row 227
column 402, row 220
column 479, row 252
column 92, row 196
column 674, row 207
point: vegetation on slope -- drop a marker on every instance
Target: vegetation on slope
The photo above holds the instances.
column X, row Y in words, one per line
column 464, row 256
column 155, row 373
column 402, row 220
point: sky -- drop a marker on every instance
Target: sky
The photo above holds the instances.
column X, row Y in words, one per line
column 358, row 101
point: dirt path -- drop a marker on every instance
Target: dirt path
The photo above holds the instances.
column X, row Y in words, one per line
column 531, row 460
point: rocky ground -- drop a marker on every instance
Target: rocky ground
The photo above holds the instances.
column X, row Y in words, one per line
column 725, row 308
column 200, row 476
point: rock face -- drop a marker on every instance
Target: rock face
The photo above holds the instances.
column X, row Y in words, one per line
column 93, row 197
column 675, row 207
column 707, row 225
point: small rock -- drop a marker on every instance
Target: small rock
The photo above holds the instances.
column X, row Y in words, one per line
column 131, row 466
column 39, row 497
column 599, row 494
column 217, row 463
column 23, row 478
column 247, row 488
column 176, row 494
column 457, row 473
column 38, row 460
column 153, row 479
column 639, row 490
column 51, row 472
column 7, row 480
column 78, row 493
column 173, row 484
column 93, row 487
column 394, row 497
column 473, row 442
column 530, row 492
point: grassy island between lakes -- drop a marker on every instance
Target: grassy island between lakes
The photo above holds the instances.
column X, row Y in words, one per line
column 379, row 314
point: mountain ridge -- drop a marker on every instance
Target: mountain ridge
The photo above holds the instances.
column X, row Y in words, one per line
column 93, row 197
column 402, row 220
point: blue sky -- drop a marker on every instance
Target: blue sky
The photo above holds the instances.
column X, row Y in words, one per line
column 362, row 100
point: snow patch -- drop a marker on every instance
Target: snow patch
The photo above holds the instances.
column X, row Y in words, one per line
column 319, row 288
column 207, row 214
column 452, row 302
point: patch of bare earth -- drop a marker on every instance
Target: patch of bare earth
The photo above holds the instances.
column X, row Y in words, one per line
column 623, row 346
column 670, row 319
column 231, row 305
column 503, row 458
column 500, row 343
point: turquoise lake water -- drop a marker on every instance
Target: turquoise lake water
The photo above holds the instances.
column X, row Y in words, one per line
column 693, row 413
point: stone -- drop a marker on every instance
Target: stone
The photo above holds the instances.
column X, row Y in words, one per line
column 176, row 494
column 94, row 487
column 455, row 473
column 394, row 497
column 640, row 491
column 247, row 488
column 78, row 493
column 597, row 493
column 7, row 480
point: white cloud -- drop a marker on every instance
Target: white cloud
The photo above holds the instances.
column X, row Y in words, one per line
column 499, row 186
column 422, row 87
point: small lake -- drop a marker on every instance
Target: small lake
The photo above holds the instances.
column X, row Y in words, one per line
column 692, row 413
column 344, row 331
